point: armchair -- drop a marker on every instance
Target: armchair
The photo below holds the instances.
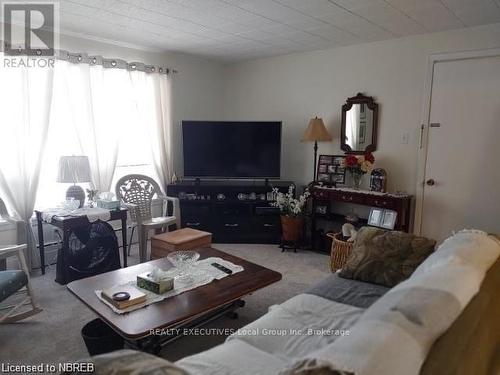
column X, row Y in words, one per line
column 137, row 193
column 13, row 282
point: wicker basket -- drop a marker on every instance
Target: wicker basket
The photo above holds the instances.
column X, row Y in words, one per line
column 340, row 251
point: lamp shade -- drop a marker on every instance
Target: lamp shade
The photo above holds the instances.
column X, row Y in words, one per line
column 316, row 131
column 74, row 169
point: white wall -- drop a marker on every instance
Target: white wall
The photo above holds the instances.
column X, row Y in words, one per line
column 297, row 87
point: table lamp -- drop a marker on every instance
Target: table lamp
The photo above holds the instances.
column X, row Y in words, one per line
column 316, row 132
column 74, row 169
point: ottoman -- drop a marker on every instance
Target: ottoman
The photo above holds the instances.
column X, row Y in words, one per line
column 181, row 239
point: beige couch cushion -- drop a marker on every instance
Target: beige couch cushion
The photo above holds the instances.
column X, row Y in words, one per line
column 298, row 326
column 232, row 358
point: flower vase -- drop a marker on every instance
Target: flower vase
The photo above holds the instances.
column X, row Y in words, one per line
column 292, row 228
column 356, row 180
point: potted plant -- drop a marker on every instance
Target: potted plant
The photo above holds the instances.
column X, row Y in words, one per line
column 292, row 213
column 358, row 166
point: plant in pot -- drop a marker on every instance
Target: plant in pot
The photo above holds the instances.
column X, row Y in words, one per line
column 292, row 213
column 358, row 166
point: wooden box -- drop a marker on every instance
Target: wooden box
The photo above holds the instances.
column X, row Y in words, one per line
column 181, row 239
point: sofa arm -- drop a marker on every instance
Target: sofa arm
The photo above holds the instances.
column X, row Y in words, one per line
column 131, row 362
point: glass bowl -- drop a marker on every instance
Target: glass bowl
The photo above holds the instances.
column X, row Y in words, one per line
column 183, row 259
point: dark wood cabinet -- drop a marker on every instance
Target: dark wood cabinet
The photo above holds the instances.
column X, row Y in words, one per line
column 234, row 212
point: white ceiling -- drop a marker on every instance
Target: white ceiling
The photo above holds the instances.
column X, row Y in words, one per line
column 232, row 30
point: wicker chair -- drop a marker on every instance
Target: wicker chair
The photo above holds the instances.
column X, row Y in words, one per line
column 137, row 193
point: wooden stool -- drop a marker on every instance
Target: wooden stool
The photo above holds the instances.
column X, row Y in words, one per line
column 181, row 239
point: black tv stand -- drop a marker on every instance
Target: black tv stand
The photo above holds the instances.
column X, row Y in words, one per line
column 233, row 211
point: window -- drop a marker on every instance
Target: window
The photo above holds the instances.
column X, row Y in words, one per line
column 106, row 97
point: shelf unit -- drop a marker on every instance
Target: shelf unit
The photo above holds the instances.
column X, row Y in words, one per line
column 231, row 220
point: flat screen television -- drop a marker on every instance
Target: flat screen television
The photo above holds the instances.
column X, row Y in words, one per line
column 218, row 149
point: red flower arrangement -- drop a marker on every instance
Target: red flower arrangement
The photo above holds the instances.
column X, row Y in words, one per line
column 351, row 161
column 369, row 157
column 360, row 164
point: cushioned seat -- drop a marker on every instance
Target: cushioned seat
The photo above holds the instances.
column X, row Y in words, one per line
column 234, row 357
column 11, row 282
column 350, row 292
column 298, row 326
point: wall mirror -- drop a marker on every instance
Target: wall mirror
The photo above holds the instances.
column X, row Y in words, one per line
column 359, row 125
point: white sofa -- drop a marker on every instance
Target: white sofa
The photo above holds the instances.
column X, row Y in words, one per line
column 392, row 336
column 443, row 319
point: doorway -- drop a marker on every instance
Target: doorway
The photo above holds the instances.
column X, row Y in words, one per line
column 460, row 176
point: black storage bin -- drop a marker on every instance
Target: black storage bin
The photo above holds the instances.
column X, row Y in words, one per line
column 100, row 338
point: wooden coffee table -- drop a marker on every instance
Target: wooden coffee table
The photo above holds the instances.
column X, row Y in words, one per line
column 153, row 326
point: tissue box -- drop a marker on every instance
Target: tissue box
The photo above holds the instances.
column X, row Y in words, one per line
column 108, row 205
column 144, row 281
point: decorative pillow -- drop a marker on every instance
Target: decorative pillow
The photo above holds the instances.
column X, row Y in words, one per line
column 385, row 257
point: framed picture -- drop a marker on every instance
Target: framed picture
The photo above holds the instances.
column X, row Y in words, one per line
column 339, row 178
column 375, row 217
column 331, row 169
column 325, row 159
column 324, row 177
column 389, row 219
column 339, row 161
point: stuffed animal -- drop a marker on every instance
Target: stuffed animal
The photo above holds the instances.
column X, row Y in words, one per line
column 349, row 232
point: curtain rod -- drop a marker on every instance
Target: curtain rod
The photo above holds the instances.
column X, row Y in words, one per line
column 84, row 58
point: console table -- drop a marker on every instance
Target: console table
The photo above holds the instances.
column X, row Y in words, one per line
column 326, row 196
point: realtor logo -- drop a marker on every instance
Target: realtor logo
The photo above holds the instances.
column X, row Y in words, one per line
column 29, row 28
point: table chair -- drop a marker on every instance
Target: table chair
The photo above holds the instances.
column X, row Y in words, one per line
column 137, row 193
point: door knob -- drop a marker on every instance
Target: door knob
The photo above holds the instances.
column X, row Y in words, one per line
column 430, row 182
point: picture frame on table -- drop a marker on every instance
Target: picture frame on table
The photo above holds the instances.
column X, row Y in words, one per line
column 331, row 170
column 375, row 217
column 389, row 219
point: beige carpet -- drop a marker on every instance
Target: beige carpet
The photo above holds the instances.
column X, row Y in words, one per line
column 53, row 336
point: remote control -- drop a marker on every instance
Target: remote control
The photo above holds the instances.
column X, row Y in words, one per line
column 222, row 268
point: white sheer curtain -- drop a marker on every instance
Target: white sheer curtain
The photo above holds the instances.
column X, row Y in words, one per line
column 101, row 106
column 120, row 119
column 153, row 98
column 25, row 102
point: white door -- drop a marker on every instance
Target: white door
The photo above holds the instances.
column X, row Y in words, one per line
column 462, row 176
